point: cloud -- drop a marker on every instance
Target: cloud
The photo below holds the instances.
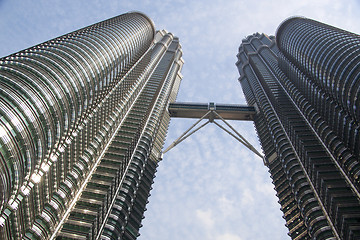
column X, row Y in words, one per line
column 247, row 197
column 205, row 217
column 226, row 206
column 228, row 236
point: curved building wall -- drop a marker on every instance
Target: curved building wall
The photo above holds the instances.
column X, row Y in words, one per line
column 305, row 86
column 48, row 89
column 52, row 102
column 324, row 63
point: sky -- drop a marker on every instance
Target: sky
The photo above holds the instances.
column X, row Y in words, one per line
column 208, row 187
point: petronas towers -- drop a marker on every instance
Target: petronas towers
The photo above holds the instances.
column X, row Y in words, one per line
column 83, row 119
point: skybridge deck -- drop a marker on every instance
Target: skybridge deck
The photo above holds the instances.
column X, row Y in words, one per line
column 198, row 110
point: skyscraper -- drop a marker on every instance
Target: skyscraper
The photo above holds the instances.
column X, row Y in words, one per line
column 305, row 85
column 82, row 123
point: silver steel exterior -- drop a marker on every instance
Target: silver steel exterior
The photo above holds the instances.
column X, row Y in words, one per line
column 82, row 119
column 305, row 86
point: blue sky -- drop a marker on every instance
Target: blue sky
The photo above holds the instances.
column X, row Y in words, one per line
column 208, row 187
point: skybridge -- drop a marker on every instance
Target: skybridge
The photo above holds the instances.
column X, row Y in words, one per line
column 211, row 112
column 225, row 111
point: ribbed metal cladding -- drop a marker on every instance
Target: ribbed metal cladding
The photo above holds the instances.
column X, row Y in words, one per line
column 307, row 128
column 62, row 105
column 112, row 204
column 262, row 91
column 328, row 61
column 47, row 90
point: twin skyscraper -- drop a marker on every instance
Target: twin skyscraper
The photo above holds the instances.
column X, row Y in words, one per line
column 305, row 83
column 83, row 119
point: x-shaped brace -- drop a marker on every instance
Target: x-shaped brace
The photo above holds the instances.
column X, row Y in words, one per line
column 211, row 114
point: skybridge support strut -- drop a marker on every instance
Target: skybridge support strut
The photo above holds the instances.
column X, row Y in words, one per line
column 211, row 112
